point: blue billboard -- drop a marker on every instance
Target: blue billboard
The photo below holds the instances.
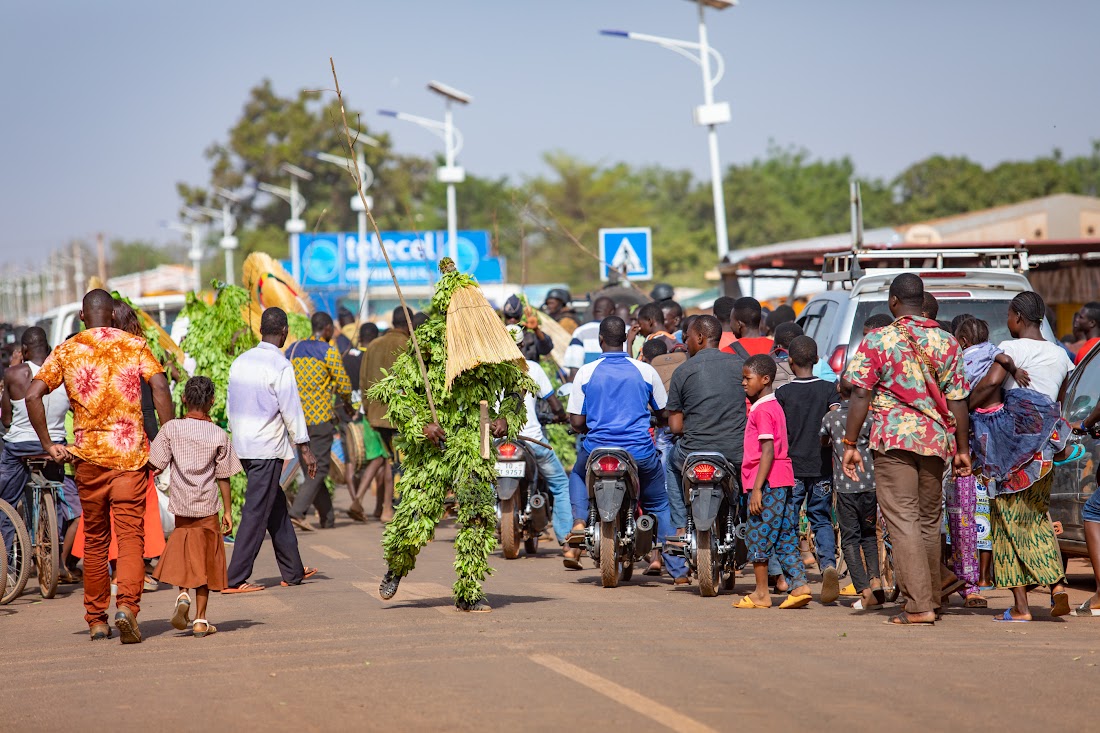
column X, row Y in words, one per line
column 332, row 260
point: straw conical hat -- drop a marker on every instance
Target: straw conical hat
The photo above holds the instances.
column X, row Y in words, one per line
column 475, row 334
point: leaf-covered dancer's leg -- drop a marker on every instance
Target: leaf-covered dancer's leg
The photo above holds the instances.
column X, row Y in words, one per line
column 413, row 524
column 476, row 539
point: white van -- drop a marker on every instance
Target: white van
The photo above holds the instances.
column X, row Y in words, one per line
column 834, row 319
column 60, row 323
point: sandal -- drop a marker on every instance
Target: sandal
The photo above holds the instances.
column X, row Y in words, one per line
column 207, row 629
column 1086, row 609
column 747, row 602
column 244, row 588
column 1006, row 617
column 796, row 601
column 308, row 573
column 183, row 612
column 975, row 601
column 902, row 619
column 1059, row 604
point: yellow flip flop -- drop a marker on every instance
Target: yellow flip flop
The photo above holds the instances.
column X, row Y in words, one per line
column 797, row 601
column 849, row 590
column 747, row 602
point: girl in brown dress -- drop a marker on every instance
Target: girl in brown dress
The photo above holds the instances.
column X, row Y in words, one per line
column 201, row 458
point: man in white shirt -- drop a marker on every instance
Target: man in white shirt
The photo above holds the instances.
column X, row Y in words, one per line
column 266, row 421
column 584, row 348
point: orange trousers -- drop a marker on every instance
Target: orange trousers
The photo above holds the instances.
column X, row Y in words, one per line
column 104, row 493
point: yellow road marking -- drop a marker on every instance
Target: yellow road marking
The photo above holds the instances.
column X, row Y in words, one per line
column 640, row 704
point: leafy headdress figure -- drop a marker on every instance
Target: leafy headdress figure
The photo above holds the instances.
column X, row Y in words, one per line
column 469, row 358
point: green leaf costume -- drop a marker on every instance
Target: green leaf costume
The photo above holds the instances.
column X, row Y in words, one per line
column 429, row 473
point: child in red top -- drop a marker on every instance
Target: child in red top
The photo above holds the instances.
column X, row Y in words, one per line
column 767, row 476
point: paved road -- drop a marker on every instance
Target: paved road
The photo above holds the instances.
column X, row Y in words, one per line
column 557, row 653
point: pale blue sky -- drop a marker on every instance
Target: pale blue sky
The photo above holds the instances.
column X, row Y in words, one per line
column 109, row 103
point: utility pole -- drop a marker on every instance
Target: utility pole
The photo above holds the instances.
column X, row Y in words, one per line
column 101, row 253
column 79, row 283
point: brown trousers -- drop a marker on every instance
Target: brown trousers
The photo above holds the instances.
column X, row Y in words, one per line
column 103, row 492
column 910, row 495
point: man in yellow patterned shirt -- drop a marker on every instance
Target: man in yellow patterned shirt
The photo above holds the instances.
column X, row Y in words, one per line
column 319, row 372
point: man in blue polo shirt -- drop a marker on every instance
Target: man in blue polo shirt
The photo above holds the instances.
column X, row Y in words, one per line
column 610, row 403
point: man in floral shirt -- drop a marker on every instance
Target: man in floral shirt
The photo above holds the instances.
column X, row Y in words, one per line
column 910, row 375
column 102, row 369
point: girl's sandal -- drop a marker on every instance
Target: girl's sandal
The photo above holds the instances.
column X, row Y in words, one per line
column 206, row 630
column 183, row 612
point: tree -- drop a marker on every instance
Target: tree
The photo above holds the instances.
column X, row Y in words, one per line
column 139, row 255
column 275, row 130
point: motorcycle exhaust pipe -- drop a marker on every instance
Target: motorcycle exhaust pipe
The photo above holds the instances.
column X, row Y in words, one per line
column 643, row 539
column 538, row 501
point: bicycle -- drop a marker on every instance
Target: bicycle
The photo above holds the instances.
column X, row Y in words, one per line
column 36, row 533
column 16, row 560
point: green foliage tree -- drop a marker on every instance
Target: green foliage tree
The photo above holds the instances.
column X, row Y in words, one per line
column 784, row 194
column 138, row 255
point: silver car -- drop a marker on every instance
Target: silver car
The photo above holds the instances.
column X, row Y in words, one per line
column 1075, row 482
column 834, row 319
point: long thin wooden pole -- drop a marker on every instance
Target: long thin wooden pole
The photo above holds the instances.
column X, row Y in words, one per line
column 353, row 169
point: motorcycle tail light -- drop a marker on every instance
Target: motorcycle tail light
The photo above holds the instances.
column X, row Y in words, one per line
column 836, row 361
column 609, row 464
column 704, row 472
column 507, row 450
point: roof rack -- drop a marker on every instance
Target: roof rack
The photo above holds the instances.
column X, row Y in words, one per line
column 848, row 266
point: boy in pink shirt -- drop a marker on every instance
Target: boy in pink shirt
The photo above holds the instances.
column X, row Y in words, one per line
column 768, row 477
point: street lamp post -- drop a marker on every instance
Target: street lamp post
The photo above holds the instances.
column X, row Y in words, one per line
column 294, row 225
column 709, row 114
column 366, row 180
column 450, row 173
column 193, row 229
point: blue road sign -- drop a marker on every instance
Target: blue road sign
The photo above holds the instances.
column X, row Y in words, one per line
column 332, row 259
column 628, row 250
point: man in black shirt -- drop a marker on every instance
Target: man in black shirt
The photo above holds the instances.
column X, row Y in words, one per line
column 706, row 402
column 806, row 400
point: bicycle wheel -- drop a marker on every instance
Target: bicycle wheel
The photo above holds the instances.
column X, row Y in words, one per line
column 47, row 550
column 18, row 555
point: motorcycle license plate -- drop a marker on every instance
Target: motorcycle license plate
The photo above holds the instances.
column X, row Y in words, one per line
column 517, row 469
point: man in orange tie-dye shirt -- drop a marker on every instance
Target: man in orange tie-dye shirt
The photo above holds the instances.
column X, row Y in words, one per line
column 102, row 369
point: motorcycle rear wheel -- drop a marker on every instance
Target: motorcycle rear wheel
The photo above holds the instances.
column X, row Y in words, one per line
column 509, row 529
column 531, row 546
column 706, row 564
column 609, row 553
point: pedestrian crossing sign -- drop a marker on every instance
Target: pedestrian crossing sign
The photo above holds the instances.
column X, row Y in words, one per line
column 628, row 251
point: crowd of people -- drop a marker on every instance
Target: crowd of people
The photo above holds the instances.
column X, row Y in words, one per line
column 928, row 420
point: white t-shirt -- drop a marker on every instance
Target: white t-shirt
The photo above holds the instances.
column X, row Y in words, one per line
column 1047, row 364
column 533, row 428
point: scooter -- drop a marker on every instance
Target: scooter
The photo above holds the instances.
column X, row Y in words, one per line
column 523, row 500
column 617, row 534
column 715, row 526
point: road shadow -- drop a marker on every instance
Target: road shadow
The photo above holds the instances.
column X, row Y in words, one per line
column 151, row 628
column 273, row 583
column 496, row 601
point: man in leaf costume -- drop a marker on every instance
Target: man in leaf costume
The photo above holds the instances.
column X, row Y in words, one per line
column 439, row 457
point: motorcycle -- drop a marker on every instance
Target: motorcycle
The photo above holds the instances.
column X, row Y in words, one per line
column 618, row 534
column 715, row 527
column 523, row 504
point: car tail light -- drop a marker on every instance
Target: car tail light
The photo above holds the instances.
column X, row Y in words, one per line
column 507, row 450
column 836, row 361
column 609, row 464
column 704, row 472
